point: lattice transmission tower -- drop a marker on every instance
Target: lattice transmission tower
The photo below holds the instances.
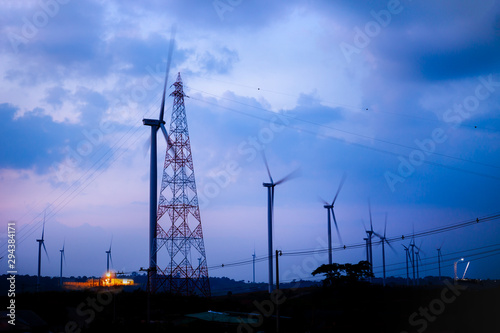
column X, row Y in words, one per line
column 181, row 261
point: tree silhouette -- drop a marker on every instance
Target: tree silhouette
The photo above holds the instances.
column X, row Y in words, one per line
column 344, row 273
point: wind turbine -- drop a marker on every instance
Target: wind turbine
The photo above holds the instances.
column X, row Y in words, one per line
column 407, row 255
column 412, row 245
column 253, row 257
column 62, row 258
column 384, row 240
column 155, row 125
column 330, row 212
column 367, row 249
column 270, row 210
column 108, row 256
column 439, row 260
column 417, row 259
column 41, row 243
column 369, row 241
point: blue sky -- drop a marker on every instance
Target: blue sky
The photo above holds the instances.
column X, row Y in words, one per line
column 402, row 96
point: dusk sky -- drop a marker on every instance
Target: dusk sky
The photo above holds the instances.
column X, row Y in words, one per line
column 402, row 96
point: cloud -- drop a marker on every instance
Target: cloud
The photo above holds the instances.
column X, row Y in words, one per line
column 92, row 106
column 55, row 96
column 68, row 40
column 32, row 141
column 134, row 54
column 416, row 45
column 79, row 87
column 219, row 15
column 220, row 63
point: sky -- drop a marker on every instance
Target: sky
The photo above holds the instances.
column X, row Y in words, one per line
column 400, row 96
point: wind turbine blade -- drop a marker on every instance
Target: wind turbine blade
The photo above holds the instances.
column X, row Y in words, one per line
column 420, row 248
column 43, row 228
column 272, row 212
column 45, row 249
column 294, row 174
column 267, row 167
column 370, row 211
column 364, row 226
column 385, row 225
column 272, row 202
column 146, row 146
column 111, row 259
column 390, row 245
column 169, row 59
column 340, row 187
column 323, row 201
column 167, row 138
column 337, row 227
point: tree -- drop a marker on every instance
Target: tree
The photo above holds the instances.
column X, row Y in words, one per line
column 344, row 273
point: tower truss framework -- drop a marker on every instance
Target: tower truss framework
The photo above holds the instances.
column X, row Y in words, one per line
column 181, row 266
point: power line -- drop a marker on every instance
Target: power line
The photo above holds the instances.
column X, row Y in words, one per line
column 480, row 255
column 101, row 161
column 346, row 132
column 428, row 232
column 85, row 179
column 346, row 106
column 302, row 130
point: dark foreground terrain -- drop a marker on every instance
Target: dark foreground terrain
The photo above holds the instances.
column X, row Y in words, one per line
column 348, row 308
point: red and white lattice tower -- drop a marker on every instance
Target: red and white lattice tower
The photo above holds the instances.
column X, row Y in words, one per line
column 181, row 261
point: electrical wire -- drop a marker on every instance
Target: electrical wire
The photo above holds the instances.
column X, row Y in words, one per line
column 346, row 106
column 344, row 131
column 85, row 179
column 302, row 130
column 428, row 232
column 80, row 184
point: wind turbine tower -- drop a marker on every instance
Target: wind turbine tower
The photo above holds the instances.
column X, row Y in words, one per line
column 384, row 240
column 156, row 124
column 330, row 212
column 369, row 241
column 41, row 243
column 407, row 256
column 439, row 261
column 270, row 218
column 412, row 245
column 417, row 258
column 60, row 271
column 253, row 260
column 367, row 250
column 108, row 257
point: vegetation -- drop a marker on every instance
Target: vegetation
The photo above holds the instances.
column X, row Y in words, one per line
column 351, row 307
column 336, row 274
